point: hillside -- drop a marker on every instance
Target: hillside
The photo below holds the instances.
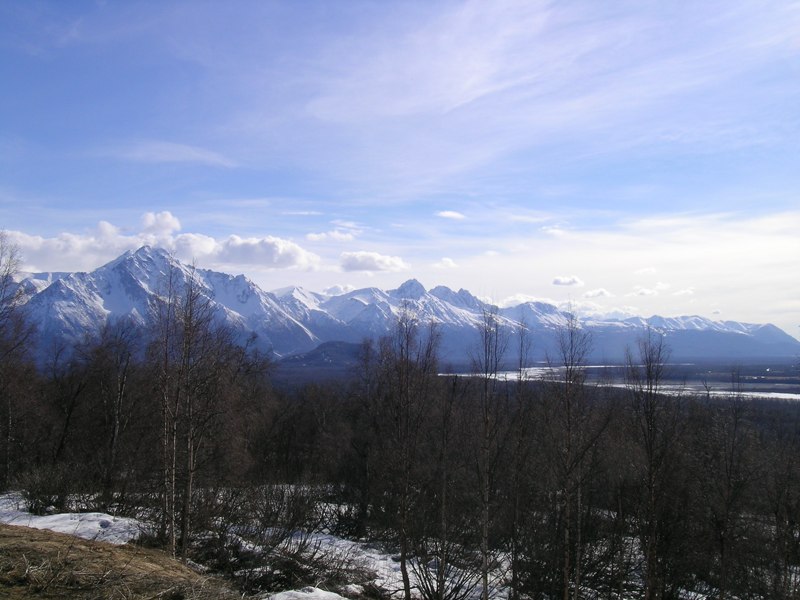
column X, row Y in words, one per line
column 43, row 564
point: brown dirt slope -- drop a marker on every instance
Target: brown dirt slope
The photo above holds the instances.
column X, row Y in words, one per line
column 43, row 564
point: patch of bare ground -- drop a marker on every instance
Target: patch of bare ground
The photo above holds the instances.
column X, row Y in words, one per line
column 42, row 564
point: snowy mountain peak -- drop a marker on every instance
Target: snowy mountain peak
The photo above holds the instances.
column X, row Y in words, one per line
column 145, row 255
column 293, row 320
column 298, row 296
column 461, row 299
column 410, row 290
column 145, row 264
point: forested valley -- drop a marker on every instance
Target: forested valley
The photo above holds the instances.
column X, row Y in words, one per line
column 479, row 486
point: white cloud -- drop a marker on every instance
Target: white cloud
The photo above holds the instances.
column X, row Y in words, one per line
column 619, row 312
column 158, row 151
column 685, row 292
column 527, row 218
column 344, row 231
column 189, row 246
column 158, row 224
column 642, row 291
column 336, row 235
column 267, row 252
column 598, row 293
column 445, row 263
column 555, row 231
column 338, row 290
column 344, row 224
column 106, row 230
column 582, row 308
column 764, row 246
column 655, row 290
column 70, row 252
column 568, row 280
column 371, row 261
column 518, row 299
column 451, row 214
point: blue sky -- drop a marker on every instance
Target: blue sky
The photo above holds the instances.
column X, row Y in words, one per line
column 626, row 156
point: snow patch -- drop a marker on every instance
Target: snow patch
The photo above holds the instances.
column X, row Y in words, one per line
column 307, row 593
column 89, row 526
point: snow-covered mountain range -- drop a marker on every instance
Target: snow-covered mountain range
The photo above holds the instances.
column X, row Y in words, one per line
column 289, row 321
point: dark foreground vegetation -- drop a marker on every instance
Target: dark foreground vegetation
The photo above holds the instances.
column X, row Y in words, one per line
column 552, row 488
column 45, row 565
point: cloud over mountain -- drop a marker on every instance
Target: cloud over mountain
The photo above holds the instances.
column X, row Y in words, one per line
column 568, row 280
column 598, row 293
column 371, row 261
column 68, row 251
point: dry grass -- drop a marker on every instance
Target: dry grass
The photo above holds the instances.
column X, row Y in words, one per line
column 43, row 564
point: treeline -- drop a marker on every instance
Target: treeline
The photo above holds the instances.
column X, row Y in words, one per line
column 548, row 488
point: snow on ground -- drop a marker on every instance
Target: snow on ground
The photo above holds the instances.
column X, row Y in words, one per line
column 386, row 566
column 307, row 593
column 121, row 530
column 89, row 526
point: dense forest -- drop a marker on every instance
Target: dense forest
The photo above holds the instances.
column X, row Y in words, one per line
column 531, row 488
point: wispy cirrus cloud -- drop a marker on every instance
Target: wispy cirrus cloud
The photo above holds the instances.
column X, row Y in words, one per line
column 336, row 235
column 494, row 80
column 159, row 151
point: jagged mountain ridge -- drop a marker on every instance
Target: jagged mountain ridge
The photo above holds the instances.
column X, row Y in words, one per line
column 128, row 287
column 290, row 321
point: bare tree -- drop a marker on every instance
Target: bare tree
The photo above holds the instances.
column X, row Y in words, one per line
column 15, row 335
column 163, row 355
column 10, row 292
column 445, row 564
column 111, row 358
column 487, row 364
column 520, row 432
column 572, row 431
column 185, row 351
column 407, row 374
column 199, row 365
column 781, row 496
column 725, row 473
column 656, row 428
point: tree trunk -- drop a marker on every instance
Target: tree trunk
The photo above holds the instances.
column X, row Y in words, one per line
column 566, row 570
column 187, row 493
column 577, row 585
column 404, row 558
